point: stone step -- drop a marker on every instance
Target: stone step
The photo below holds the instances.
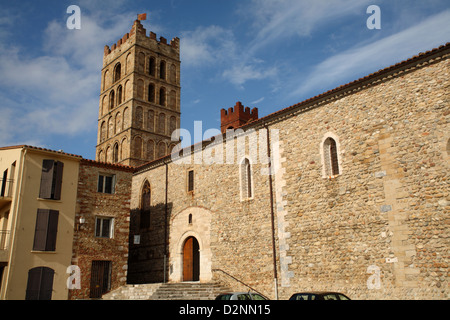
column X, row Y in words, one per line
column 188, row 291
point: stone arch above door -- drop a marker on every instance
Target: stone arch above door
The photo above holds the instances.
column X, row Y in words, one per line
column 190, row 222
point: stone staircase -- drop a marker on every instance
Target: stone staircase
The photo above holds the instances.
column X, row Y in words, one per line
column 167, row 291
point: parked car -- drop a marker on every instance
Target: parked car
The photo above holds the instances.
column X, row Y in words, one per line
column 319, row 296
column 240, row 296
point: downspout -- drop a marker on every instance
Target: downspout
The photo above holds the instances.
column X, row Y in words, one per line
column 165, row 223
column 272, row 215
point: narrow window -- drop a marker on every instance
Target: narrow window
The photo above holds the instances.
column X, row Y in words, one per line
column 111, row 100
column 5, row 177
column 151, row 92
column 40, row 284
column 162, row 97
column 103, row 227
column 190, row 219
column 119, row 95
column 162, row 70
column 106, row 183
column 246, row 179
column 145, row 206
column 117, row 72
column 116, row 153
column 51, row 180
column 190, row 180
column 46, row 230
column 152, row 66
column 330, row 156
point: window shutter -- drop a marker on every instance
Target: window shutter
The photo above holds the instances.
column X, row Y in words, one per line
column 52, row 230
column 40, row 284
column 57, row 182
column 33, row 285
column 46, row 230
column 40, row 232
column 100, row 184
column 46, row 179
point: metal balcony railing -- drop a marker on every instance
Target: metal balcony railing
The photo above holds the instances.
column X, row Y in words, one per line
column 4, row 235
column 6, row 187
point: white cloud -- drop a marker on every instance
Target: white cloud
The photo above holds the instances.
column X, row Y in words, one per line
column 277, row 20
column 56, row 92
column 368, row 58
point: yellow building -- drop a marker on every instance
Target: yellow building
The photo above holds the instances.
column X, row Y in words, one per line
column 37, row 214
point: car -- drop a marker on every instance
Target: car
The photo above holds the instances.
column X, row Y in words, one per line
column 323, row 295
column 240, row 296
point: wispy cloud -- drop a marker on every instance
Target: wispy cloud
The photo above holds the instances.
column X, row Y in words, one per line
column 61, row 85
column 367, row 58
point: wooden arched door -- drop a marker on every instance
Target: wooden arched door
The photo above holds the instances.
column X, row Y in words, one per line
column 191, row 260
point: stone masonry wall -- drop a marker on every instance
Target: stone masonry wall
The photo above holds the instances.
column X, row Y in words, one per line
column 91, row 204
column 377, row 230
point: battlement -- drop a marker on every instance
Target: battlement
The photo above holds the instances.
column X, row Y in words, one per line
column 237, row 116
column 138, row 28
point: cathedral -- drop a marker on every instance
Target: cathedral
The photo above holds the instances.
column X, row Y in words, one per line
column 346, row 191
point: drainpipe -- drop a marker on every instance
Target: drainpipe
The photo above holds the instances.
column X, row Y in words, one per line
column 165, row 223
column 272, row 215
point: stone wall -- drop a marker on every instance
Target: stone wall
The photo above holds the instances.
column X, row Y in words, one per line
column 87, row 247
column 376, row 230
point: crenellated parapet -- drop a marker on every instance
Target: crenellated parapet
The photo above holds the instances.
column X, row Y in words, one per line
column 237, row 116
column 138, row 29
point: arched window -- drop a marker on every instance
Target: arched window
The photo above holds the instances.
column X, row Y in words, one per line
column 162, row 123
column 161, row 150
column 246, row 179
column 162, row 96
column 40, row 284
column 145, row 206
column 151, row 92
column 116, row 153
column 330, row 157
column 111, row 100
column 152, row 66
column 117, row 72
column 119, row 95
column 162, row 70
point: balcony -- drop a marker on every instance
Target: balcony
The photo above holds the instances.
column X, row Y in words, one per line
column 4, row 234
column 6, row 192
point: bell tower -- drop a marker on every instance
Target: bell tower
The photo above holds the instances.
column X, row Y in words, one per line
column 139, row 99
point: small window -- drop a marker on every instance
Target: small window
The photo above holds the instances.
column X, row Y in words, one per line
column 330, row 156
column 145, row 211
column 106, row 184
column 190, row 180
column 190, row 219
column 45, row 230
column 246, row 179
column 40, row 284
column 51, row 180
column 162, row 70
column 117, row 72
column 103, row 227
column 152, row 66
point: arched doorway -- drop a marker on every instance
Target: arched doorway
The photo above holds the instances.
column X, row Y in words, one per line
column 191, row 260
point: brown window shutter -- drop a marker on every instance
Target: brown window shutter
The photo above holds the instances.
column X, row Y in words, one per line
column 40, row 284
column 52, row 230
column 47, row 179
column 46, row 230
column 40, row 232
column 57, row 182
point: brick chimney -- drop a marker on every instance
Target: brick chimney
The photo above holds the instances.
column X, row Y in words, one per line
column 234, row 118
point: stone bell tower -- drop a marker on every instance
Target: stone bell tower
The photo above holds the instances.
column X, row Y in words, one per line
column 140, row 98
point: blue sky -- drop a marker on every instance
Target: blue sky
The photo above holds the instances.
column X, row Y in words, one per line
column 268, row 54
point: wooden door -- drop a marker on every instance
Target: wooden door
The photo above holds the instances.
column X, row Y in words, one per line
column 191, row 260
column 100, row 278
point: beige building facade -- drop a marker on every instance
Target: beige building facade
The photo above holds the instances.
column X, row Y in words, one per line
column 37, row 213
